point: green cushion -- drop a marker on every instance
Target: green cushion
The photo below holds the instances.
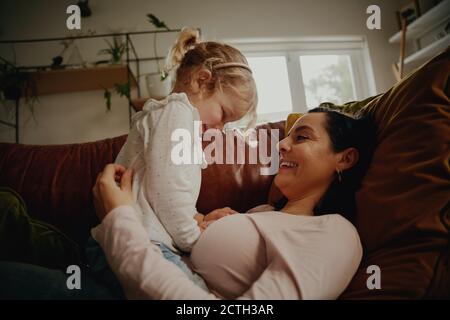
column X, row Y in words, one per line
column 24, row 239
column 352, row 107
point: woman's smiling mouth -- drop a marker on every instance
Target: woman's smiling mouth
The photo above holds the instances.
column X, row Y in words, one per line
column 288, row 164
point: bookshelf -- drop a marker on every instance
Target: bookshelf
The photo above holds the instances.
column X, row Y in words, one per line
column 69, row 78
column 82, row 79
column 429, row 20
column 413, row 33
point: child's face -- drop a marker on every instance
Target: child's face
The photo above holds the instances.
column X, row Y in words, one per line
column 218, row 108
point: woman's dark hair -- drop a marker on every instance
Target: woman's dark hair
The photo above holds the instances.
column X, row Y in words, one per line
column 345, row 131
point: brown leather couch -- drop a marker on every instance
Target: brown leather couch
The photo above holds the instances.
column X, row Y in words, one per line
column 402, row 208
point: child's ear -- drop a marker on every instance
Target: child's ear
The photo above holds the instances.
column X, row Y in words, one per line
column 200, row 79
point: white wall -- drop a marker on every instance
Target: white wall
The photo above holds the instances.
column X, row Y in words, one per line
column 81, row 117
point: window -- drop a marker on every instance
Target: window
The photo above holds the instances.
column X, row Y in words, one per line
column 327, row 78
column 272, row 82
column 294, row 75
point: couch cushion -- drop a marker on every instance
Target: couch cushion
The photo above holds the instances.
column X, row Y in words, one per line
column 402, row 207
column 24, row 239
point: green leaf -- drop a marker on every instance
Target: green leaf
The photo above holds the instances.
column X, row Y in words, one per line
column 107, row 96
column 164, row 75
column 156, row 22
column 123, row 89
column 115, row 50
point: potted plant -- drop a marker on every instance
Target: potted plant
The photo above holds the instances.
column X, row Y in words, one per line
column 116, row 49
column 158, row 83
column 16, row 83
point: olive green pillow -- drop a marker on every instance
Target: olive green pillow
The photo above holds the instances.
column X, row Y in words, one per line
column 24, row 239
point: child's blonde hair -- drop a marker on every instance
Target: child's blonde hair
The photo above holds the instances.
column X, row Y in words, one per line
column 188, row 53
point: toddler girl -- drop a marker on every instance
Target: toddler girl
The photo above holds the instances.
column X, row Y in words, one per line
column 214, row 85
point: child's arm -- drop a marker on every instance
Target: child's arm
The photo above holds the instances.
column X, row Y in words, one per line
column 205, row 220
column 199, row 218
column 219, row 213
column 132, row 146
column 172, row 188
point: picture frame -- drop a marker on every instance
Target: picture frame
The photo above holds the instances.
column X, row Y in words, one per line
column 410, row 10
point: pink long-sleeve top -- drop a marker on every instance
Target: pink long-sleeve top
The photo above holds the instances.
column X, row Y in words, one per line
column 263, row 255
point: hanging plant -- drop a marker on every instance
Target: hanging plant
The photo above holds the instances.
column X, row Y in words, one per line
column 16, row 83
column 123, row 90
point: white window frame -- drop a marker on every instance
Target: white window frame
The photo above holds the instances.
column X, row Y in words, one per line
column 292, row 48
column 283, row 114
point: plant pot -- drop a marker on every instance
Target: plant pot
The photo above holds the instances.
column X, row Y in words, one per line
column 157, row 88
column 113, row 61
column 12, row 93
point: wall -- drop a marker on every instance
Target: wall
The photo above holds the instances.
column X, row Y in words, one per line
column 81, row 117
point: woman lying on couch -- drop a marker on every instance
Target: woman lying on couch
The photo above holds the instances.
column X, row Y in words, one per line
column 295, row 251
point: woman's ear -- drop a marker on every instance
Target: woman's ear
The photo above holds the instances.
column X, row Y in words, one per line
column 199, row 80
column 348, row 158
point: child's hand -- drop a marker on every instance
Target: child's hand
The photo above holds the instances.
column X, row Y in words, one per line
column 203, row 225
column 219, row 213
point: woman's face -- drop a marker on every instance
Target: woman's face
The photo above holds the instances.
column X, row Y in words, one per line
column 307, row 161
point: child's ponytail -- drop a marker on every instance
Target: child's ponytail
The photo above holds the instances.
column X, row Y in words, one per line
column 186, row 40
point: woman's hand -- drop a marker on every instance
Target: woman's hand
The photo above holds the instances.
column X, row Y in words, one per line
column 219, row 213
column 108, row 195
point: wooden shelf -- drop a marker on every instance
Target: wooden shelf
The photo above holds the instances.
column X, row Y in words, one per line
column 426, row 22
column 86, row 79
column 82, row 79
column 429, row 51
